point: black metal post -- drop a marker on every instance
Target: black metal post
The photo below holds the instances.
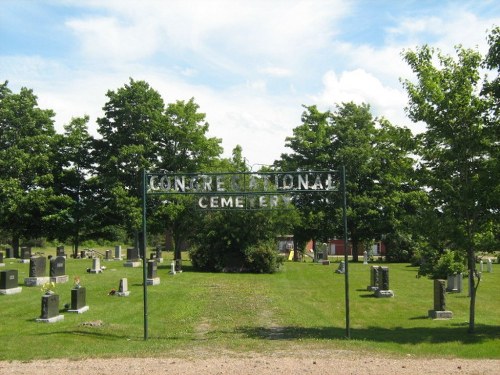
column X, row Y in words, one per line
column 346, row 256
column 144, row 257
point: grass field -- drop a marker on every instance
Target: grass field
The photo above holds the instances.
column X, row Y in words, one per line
column 303, row 306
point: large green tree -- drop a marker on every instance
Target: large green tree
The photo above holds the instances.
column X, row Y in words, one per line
column 378, row 169
column 28, row 202
column 456, row 153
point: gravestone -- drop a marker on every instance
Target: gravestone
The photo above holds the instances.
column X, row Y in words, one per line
column 78, row 300
column 454, row 283
column 159, row 255
column 50, row 309
column 60, row 251
column 25, row 254
column 118, row 252
column 37, row 272
column 383, row 286
column 481, row 265
column 133, row 259
column 341, row 268
column 365, row 257
column 9, row 253
column 96, row 265
column 490, row 265
column 2, row 264
column 440, row 311
column 108, row 255
column 172, row 268
column 83, row 254
column 123, row 288
column 9, row 283
column 57, row 270
column 374, row 278
column 152, row 277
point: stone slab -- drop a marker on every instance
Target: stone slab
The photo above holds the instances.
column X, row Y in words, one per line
column 132, row 264
column 372, row 288
column 24, row 260
column 384, row 293
column 59, row 279
column 123, row 294
column 2, row 264
column 36, row 281
column 96, row 271
column 154, row 281
column 11, row 290
column 51, row 320
column 80, row 310
column 440, row 314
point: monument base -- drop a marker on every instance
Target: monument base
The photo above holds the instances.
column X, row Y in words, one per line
column 81, row 310
column 24, row 260
column 59, row 279
column 117, row 259
column 132, row 264
column 384, row 293
column 96, row 271
column 11, row 290
column 123, row 294
column 372, row 288
column 434, row 314
column 36, row 281
column 54, row 319
column 2, row 264
column 155, row 281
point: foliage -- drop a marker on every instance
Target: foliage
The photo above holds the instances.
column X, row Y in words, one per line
column 457, row 148
column 440, row 265
column 263, row 257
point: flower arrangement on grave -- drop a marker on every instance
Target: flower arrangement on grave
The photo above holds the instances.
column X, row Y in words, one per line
column 76, row 282
column 48, row 288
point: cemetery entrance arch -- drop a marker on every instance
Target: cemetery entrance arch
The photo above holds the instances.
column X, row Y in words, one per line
column 243, row 191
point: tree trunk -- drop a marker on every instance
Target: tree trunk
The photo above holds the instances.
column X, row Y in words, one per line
column 472, row 289
column 355, row 246
column 15, row 244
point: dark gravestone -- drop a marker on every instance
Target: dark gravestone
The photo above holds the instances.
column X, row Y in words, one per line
column 440, row 311
column 108, row 255
column 132, row 254
column 83, row 254
column 159, row 254
column 25, row 252
column 60, row 251
column 16, row 253
column 1, row 257
column 9, row 253
column 439, row 295
column 374, row 278
column 78, row 298
column 38, row 266
column 384, row 279
column 50, row 306
column 152, row 269
column 8, row 279
column 57, row 266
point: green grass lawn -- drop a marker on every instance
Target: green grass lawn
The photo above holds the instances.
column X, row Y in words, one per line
column 302, row 306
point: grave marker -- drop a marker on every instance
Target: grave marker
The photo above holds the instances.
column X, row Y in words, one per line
column 440, row 311
column 383, row 286
column 60, row 251
column 9, row 253
column 58, row 270
column 2, row 264
column 118, row 252
column 37, row 272
column 152, row 278
column 50, row 309
column 374, row 278
column 490, row 265
column 133, row 259
column 123, row 288
column 25, row 254
column 96, row 265
column 341, row 268
column 78, row 300
column 9, row 283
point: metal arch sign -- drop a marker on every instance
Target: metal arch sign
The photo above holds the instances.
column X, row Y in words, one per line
column 242, row 190
column 228, row 190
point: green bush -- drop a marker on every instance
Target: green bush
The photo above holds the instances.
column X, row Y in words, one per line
column 263, row 258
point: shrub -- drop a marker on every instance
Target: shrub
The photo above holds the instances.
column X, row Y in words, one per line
column 263, row 258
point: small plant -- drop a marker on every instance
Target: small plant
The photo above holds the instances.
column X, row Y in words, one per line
column 76, row 282
column 48, row 288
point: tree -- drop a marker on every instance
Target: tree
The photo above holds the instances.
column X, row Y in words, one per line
column 27, row 139
column 378, row 169
column 457, row 144
column 73, row 176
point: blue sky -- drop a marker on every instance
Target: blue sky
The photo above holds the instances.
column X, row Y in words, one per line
column 250, row 65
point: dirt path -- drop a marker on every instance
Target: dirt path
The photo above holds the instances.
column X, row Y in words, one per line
column 304, row 363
